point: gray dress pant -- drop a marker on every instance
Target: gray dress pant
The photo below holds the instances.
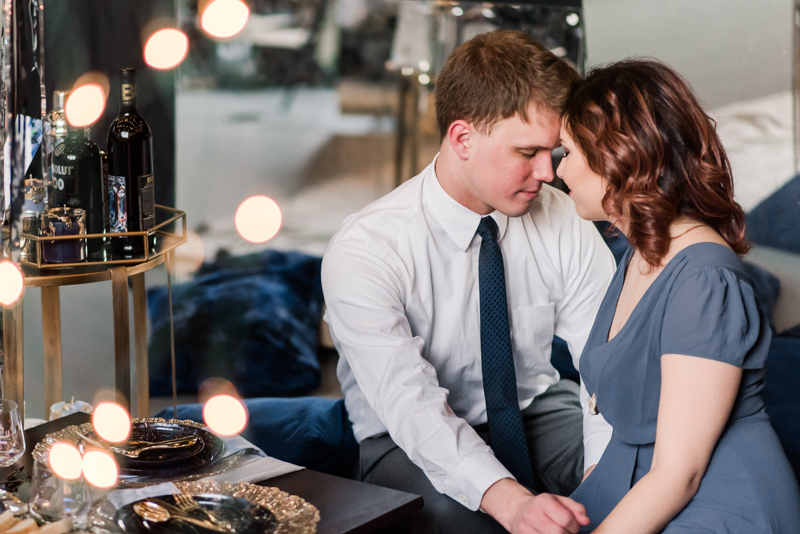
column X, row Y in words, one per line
column 554, row 430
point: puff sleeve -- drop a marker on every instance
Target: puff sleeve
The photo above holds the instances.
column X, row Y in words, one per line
column 712, row 313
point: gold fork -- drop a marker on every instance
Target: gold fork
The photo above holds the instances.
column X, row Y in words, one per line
column 186, row 503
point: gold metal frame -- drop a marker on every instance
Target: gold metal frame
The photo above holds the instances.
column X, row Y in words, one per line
column 170, row 240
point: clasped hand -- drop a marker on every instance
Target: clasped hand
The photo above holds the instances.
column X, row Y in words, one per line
column 521, row 512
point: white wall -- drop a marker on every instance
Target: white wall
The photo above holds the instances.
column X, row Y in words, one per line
column 729, row 50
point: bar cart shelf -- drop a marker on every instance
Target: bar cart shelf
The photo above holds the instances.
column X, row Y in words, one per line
column 50, row 277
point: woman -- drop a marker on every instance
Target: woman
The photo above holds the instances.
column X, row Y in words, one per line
column 675, row 359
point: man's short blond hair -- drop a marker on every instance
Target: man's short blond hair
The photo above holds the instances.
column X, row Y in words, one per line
column 497, row 75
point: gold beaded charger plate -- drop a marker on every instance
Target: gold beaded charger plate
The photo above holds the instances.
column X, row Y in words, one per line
column 294, row 515
column 175, row 465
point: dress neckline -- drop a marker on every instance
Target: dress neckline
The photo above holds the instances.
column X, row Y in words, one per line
column 646, row 295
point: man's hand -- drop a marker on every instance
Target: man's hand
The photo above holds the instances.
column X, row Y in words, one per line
column 521, row 512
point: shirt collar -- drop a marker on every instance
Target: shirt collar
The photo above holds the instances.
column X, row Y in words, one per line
column 459, row 222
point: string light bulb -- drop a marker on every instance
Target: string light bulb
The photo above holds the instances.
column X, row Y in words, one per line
column 100, row 469
column 225, row 415
column 11, row 282
column 85, row 104
column 111, row 422
column 258, row 219
column 166, row 48
column 224, row 18
column 65, row 460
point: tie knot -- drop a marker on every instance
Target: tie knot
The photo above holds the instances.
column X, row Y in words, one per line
column 487, row 229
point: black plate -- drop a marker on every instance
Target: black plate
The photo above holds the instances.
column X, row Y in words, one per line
column 184, row 461
column 246, row 517
column 161, row 457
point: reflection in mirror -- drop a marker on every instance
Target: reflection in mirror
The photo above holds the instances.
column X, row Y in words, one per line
column 323, row 106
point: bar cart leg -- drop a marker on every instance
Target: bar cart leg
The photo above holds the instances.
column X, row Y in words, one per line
column 13, row 382
column 140, row 342
column 51, row 327
column 122, row 336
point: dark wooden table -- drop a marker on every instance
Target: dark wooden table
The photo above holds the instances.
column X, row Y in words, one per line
column 345, row 506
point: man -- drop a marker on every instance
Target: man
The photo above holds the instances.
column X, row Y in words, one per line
column 423, row 286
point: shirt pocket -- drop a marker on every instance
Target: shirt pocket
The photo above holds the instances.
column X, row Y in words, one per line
column 532, row 337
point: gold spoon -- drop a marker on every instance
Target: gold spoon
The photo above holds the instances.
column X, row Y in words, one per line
column 156, row 513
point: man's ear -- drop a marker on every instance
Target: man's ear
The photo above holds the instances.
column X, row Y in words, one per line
column 461, row 135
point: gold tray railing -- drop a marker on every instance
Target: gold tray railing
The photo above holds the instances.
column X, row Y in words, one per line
column 167, row 240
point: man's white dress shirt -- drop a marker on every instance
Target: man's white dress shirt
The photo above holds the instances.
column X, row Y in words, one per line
column 400, row 280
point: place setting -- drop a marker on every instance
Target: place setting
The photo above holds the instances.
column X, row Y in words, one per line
column 116, row 475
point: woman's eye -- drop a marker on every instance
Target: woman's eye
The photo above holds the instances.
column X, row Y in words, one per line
column 565, row 154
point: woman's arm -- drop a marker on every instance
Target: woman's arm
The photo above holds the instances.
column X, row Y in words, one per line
column 697, row 397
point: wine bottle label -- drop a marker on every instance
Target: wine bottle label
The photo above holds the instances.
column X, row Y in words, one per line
column 117, row 204
column 147, row 201
column 128, row 93
column 65, row 186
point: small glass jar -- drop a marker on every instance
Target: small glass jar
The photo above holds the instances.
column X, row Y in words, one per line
column 30, row 226
column 64, row 221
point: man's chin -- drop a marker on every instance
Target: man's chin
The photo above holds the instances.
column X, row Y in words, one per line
column 517, row 209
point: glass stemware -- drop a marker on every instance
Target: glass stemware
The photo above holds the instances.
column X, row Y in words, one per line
column 12, row 437
column 53, row 498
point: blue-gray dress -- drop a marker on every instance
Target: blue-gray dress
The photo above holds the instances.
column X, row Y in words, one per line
column 702, row 304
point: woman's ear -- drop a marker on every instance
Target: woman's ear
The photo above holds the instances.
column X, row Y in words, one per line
column 460, row 135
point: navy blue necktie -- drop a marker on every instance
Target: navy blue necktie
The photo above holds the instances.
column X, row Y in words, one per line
column 506, row 430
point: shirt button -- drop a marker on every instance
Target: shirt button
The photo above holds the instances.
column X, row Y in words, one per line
column 463, row 499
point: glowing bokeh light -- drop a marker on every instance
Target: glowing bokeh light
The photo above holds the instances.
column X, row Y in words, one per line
column 424, row 79
column 100, row 469
column 65, row 460
column 111, row 422
column 457, row 11
column 224, row 18
column 424, row 65
column 258, row 219
column 225, row 415
column 85, row 105
column 11, row 282
column 166, row 48
column 573, row 19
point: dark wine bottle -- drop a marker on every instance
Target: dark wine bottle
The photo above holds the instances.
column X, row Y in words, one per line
column 130, row 173
column 78, row 183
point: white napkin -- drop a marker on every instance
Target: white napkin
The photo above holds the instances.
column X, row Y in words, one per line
column 256, row 469
column 120, row 498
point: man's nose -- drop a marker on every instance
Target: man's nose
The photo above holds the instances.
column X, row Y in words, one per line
column 543, row 167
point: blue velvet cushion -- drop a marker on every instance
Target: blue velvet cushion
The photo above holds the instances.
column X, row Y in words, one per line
column 250, row 319
column 308, row 431
column 781, row 394
column 775, row 221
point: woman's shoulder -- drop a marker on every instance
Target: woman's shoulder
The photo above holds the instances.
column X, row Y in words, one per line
column 711, row 309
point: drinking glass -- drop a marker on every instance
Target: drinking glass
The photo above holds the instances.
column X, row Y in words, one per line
column 12, row 437
column 53, row 498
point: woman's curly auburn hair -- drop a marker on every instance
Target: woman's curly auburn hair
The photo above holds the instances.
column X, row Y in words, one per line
column 640, row 127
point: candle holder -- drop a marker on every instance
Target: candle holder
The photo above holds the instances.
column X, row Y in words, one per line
column 64, row 222
column 34, row 196
column 31, row 221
